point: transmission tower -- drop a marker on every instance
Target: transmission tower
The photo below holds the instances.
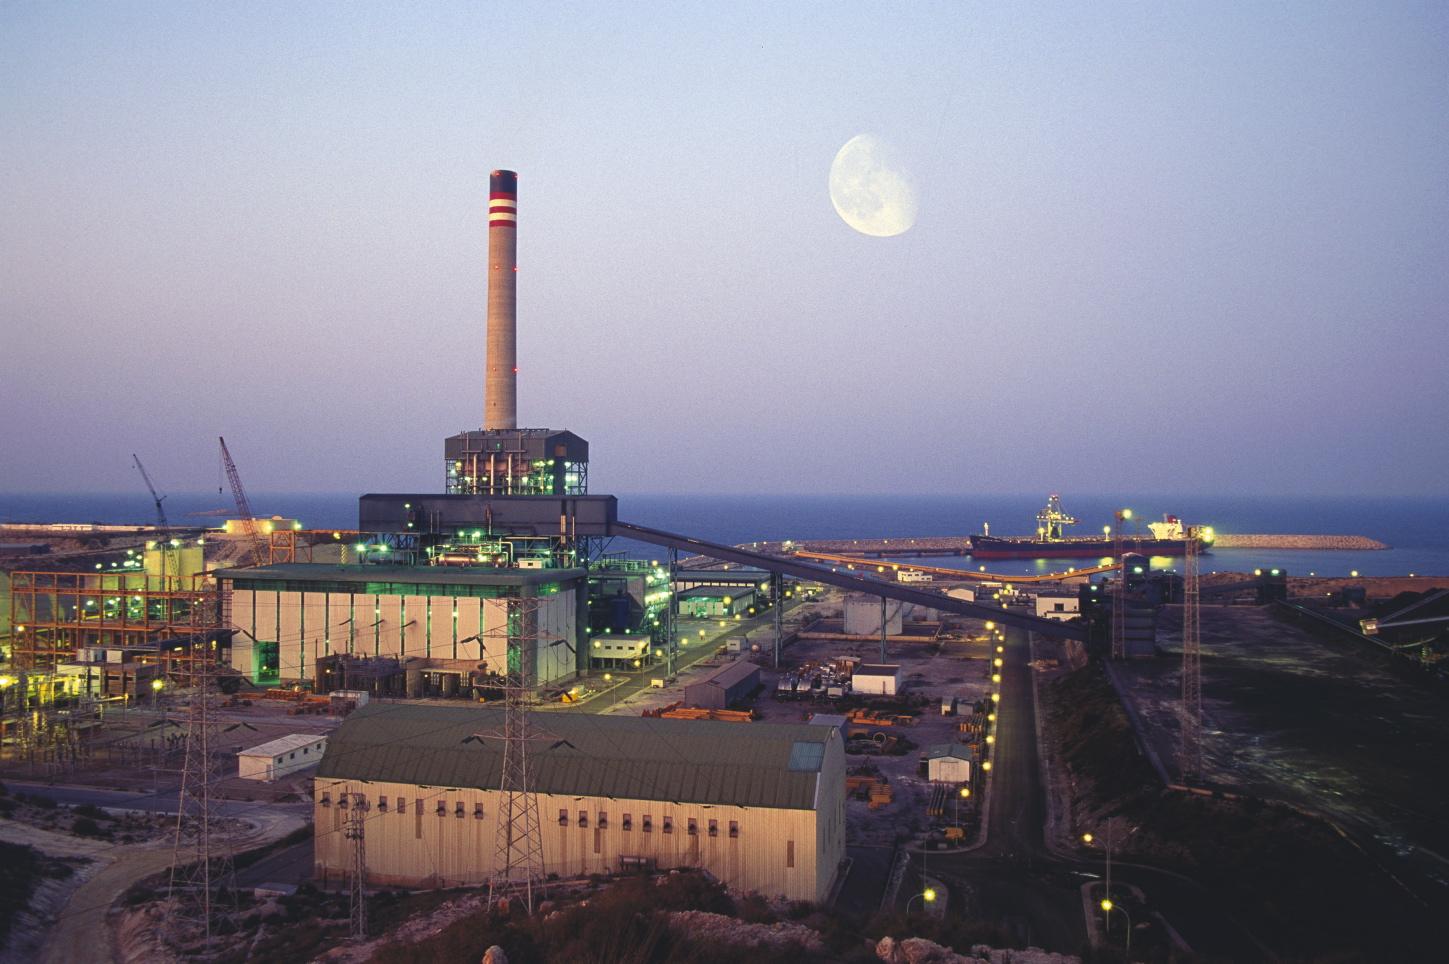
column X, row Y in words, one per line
column 1191, row 711
column 201, row 867
column 1119, row 597
column 518, row 852
column 354, row 831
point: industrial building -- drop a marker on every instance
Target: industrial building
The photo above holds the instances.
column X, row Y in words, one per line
column 716, row 602
column 298, row 613
column 725, row 686
column 1060, row 604
column 759, row 806
column 876, row 679
column 277, row 758
column 949, row 763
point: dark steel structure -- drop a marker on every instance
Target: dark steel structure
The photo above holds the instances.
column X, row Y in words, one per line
column 516, row 461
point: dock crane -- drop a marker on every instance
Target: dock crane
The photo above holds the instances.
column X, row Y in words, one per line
column 161, row 523
column 163, row 526
column 259, row 549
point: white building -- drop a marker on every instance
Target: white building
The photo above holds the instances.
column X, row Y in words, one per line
column 1057, row 605
column 949, row 763
column 876, row 679
column 279, row 757
column 761, row 807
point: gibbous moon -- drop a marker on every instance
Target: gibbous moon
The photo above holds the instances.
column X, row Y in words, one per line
column 871, row 190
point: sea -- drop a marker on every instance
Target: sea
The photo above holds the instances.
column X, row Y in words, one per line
column 1416, row 529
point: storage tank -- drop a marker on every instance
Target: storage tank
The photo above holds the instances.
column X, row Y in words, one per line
column 862, row 615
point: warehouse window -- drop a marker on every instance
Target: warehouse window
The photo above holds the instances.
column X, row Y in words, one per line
column 342, row 800
column 442, row 808
column 326, row 800
column 382, row 804
column 714, row 828
column 668, row 824
column 563, row 817
column 693, row 828
column 603, row 819
column 628, row 821
column 402, row 804
column 458, row 809
column 648, row 824
column 806, row 757
column 789, row 853
column 583, row 818
column 734, row 828
column 477, row 811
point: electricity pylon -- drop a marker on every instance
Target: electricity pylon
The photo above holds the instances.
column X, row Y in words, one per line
column 1191, row 709
column 201, row 867
column 1119, row 597
column 355, row 833
column 518, row 848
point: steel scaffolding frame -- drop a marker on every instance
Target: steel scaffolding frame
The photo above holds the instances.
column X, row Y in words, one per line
column 54, row 614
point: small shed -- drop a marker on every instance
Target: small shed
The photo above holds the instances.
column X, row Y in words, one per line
column 723, row 687
column 949, row 763
column 279, row 757
column 876, row 679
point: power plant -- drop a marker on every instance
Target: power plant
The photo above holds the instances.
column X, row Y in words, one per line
column 505, row 588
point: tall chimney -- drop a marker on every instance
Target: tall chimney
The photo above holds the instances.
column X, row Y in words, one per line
column 500, row 389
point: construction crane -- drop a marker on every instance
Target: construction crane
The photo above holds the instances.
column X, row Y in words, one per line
column 161, row 522
column 243, row 508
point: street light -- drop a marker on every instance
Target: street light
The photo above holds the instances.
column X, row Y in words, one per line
column 1107, row 908
column 928, row 896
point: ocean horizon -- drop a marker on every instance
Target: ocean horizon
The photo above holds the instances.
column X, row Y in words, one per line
column 1415, row 529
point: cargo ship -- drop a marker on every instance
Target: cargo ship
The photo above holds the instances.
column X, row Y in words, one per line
column 1167, row 538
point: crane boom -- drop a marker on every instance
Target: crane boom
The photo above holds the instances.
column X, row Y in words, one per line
column 161, row 522
column 243, row 508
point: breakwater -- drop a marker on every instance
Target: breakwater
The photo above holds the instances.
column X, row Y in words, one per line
column 1288, row 541
column 908, row 546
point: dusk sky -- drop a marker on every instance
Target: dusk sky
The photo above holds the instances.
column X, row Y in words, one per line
column 1158, row 246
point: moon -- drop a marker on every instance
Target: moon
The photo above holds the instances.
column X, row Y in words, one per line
column 870, row 189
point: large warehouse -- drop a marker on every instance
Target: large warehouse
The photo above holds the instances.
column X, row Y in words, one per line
column 760, row 806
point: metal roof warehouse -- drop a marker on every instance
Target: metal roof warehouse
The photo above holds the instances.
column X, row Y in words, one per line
column 680, row 761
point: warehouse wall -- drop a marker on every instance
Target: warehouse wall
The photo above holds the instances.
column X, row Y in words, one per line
column 777, row 852
column 308, row 625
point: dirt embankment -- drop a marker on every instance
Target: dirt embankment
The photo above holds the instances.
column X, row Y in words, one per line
column 1290, row 878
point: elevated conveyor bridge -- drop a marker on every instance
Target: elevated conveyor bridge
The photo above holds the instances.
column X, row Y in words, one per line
column 846, row 580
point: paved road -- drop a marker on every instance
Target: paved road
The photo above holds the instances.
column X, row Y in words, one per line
column 1015, row 880
column 163, row 801
column 80, row 926
column 632, row 684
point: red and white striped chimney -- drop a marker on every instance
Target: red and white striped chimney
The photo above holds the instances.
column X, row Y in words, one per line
column 500, row 388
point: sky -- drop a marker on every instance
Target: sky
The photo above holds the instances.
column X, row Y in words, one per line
column 1159, row 247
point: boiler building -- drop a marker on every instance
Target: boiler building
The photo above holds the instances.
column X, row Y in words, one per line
column 761, row 807
column 291, row 615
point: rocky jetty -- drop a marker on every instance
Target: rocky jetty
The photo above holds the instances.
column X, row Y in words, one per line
column 1286, row 541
